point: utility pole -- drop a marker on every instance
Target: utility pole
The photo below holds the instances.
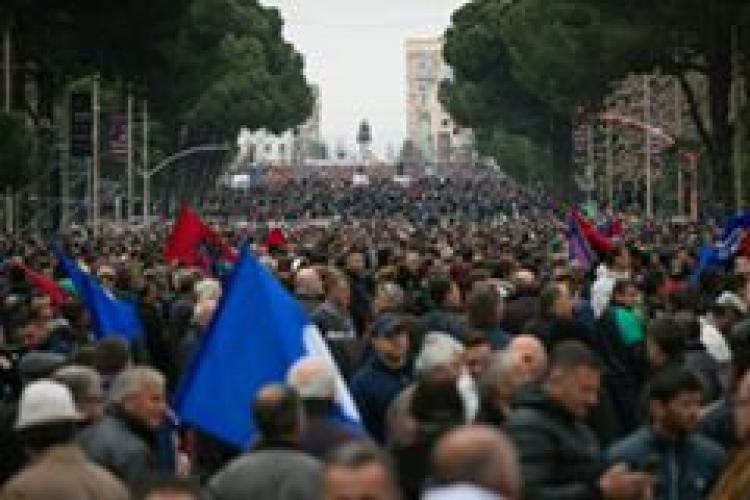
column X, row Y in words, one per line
column 647, row 121
column 8, row 65
column 95, row 202
column 610, row 167
column 678, row 135
column 130, row 187
column 739, row 125
column 144, row 166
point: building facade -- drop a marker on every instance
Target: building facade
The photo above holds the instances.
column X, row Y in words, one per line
column 291, row 147
column 428, row 125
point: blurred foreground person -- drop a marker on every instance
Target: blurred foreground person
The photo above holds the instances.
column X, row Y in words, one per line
column 359, row 470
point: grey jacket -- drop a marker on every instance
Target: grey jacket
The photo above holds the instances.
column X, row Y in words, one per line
column 123, row 446
column 271, row 474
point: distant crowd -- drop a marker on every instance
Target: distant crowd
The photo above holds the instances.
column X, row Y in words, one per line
column 484, row 361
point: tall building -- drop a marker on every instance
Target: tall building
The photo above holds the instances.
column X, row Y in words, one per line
column 438, row 138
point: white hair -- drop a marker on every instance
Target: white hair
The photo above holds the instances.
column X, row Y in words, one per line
column 208, row 288
column 133, row 380
column 439, row 350
column 313, row 378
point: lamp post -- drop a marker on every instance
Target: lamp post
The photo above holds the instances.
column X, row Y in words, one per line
column 147, row 174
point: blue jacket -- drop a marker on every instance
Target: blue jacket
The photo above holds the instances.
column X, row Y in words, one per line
column 374, row 387
column 683, row 470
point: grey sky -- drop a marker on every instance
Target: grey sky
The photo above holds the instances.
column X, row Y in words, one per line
column 354, row 49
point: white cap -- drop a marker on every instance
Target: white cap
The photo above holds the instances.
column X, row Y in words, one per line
column 460, row 492
column 46, row 402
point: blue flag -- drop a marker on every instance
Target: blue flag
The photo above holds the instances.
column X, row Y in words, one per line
column 109, row 316
column 741, row 221
column 257, row 333
column 719, row 254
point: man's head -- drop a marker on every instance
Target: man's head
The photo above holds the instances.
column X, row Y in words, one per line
column 557, row 301
column 574, row 377
column 480, row 456
column 621, row 259
column 674, row 401
column 33, row 328
column 444, row 292
column 626, row 293
column 531, row 356
column 389, row 297
column 355, row 263
column 313, row 377
column 390, row 339
column 337, row 289
column 46, row 415
column 440, row 353
column 140, row 391
column 277, row 411
column 359, row 471
column 308, row 283
column 501, row 380
column 666, row 340
column 85, row 384
column 484, row 306
column 478, row 353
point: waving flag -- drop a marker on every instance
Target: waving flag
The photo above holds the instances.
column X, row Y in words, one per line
column 719, row 254
column 596, row 240
column 109, row 316
column 45, row 284
column 258, row 332
column 578, row 246
column 194, row 243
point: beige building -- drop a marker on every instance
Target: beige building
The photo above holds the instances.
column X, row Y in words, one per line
column 431, row 129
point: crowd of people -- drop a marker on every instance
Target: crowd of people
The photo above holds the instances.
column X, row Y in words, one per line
column 483, row 361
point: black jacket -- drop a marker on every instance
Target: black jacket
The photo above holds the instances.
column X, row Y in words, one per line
column 684, row 469
column 560, row 456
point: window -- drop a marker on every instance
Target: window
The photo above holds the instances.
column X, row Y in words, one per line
column 282, row 149
column 268, row 148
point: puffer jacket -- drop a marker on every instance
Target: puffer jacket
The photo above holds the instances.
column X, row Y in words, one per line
column 560, row 455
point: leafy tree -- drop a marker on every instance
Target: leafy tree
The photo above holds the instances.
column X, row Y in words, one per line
column 17, row 148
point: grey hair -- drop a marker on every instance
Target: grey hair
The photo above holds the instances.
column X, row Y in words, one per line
column 501, row 364
column 133, row 380
column 82, row 381
column 393, row 291
column 313, row 378
column 439, row 350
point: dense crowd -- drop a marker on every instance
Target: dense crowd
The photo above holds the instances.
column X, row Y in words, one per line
column 484, row 362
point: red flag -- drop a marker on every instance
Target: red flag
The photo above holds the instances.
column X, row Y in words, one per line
column 275, row 239
column 45, row 284
column 597, row 241
column 191, row 239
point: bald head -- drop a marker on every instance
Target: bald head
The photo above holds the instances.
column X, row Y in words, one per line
column 313, row 377
column 478, row 455
column 523, row 278
column 308, row 283
column 278, row 412
column 530, row 354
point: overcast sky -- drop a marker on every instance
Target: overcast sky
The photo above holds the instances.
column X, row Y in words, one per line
column 354, row 49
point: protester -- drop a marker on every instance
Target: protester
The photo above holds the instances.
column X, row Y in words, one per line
column 314, row 379
column 359, row 470
column 59, row 469
column 274, row 468
column 683, row 464
column 125, row 441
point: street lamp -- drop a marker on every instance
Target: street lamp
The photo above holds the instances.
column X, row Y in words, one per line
column 147, row 174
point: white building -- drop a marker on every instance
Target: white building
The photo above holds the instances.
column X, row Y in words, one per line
column 290, row 147
column 428, row 125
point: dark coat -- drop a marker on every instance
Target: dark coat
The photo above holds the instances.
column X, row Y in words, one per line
column 323, row 431
column 560, row 456
column 718, row 424
column 272, row 473
column 374, row 387
column 124, row 446
column 441, row 320
column 685, row 469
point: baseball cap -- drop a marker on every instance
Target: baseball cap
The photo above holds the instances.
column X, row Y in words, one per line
column 387, row 324
column 46, row 402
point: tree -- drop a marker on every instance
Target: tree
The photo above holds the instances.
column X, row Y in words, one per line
column 17, row 147
column 232, row 68
column 364, row 137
